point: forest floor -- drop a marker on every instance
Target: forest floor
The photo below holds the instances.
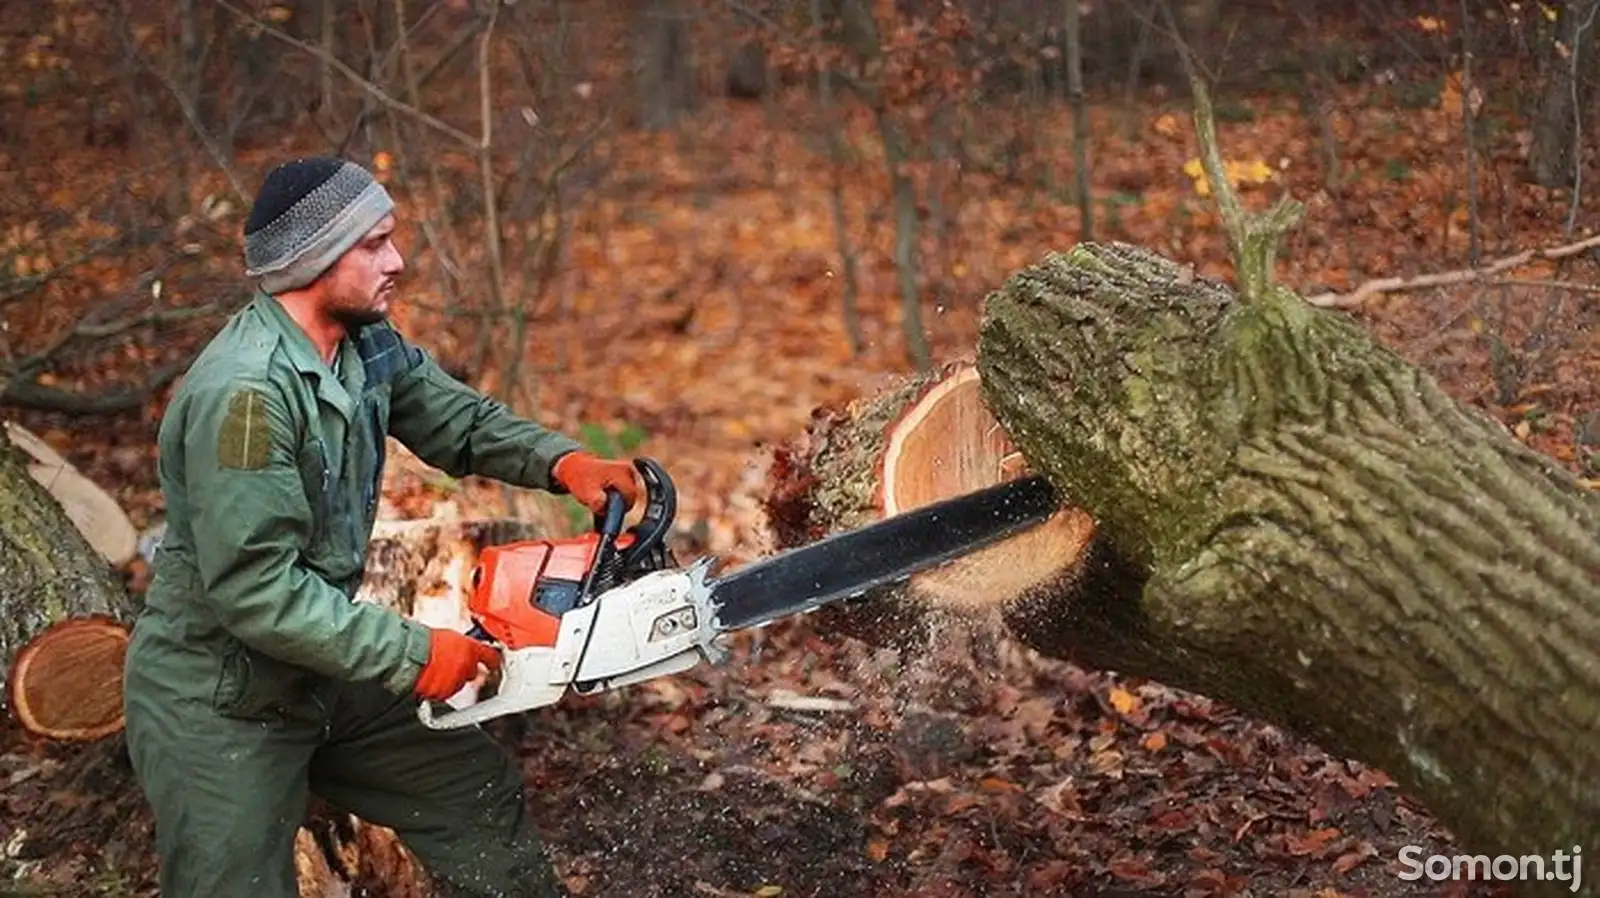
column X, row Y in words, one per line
column 708, row 318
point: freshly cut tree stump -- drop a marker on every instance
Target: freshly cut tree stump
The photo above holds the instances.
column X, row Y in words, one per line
column 420, row 567
column 66, row 683
column 337, row 856
column 1294, row 520
column 926, row 438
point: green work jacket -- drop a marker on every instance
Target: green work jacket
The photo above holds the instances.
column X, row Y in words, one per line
column 271, row 465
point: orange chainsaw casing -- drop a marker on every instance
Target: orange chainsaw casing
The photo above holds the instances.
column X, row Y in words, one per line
column 520, row 589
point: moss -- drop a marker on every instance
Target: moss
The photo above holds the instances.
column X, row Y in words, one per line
column 47, row 569
column 1119, row 329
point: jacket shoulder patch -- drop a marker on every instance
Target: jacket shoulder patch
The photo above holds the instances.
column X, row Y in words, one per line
column 244, row 440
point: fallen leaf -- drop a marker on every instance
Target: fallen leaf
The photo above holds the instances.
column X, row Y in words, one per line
column 1352, row 859
column 996, row 784
column 1048, row 877
column 958, row 803
column 1107, row 763
column 1313, row 843
column 1124, row 701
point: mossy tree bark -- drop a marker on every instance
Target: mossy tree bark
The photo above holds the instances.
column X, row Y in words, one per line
column 48, row 569
column 1295, row 520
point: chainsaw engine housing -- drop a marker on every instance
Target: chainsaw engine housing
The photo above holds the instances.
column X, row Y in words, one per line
column 519, row 590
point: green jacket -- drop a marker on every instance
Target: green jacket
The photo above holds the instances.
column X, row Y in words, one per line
column 271, row 466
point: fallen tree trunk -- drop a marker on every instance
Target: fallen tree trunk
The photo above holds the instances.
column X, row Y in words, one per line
column 49, row 569
column 926, row 438
column 1293, row 519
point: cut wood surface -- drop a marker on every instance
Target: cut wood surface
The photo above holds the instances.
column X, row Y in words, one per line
column 420, row 567
column 66, row 683
column 1294, row 520
column 926, row 438
column 339, row 856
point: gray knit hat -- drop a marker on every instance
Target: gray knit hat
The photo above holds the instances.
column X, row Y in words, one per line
column 308, row 212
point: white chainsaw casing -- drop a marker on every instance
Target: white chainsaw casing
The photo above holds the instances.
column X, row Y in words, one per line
column 645, row 628
column 657, row 625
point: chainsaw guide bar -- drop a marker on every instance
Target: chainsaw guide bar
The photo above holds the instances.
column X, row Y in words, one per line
column 848, row 565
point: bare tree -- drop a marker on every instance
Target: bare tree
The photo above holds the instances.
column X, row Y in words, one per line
column 1553, row 159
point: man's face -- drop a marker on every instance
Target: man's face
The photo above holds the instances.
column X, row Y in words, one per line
column 358, row 288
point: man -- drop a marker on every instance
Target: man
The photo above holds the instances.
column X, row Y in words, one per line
column 252, row 677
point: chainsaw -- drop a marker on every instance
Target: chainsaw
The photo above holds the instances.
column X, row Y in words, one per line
column 612, row 607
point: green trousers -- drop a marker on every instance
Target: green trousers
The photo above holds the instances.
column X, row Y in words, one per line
column 229, row 794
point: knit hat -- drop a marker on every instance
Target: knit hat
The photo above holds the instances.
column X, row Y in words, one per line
column 307, row 213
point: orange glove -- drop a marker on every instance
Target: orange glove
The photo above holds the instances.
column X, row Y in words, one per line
column 453, row 660
column 586, row 476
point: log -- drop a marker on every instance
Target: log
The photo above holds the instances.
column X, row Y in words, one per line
column 66, row 683
column 1294, row 520
column 49, row 569
column 924, row 438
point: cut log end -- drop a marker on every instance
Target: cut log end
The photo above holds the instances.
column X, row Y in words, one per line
column 66, row 683
column 928, row 438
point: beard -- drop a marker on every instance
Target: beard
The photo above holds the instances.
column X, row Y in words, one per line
column 356, row 315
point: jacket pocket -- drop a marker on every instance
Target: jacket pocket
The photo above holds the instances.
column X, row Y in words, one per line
column 258, row 687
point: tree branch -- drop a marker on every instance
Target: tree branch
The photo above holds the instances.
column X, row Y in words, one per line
column 30, row 394
column 373, row 90
column 85, row 328
column 1253, row 238
column 185, row 106
column 1442, row 279
column 397, row 51
column 1577, row 120
column 20, row 287
column 854, row 84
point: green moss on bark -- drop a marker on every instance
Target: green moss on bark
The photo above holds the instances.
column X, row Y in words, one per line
column 1316, row 533
column 48, row 570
